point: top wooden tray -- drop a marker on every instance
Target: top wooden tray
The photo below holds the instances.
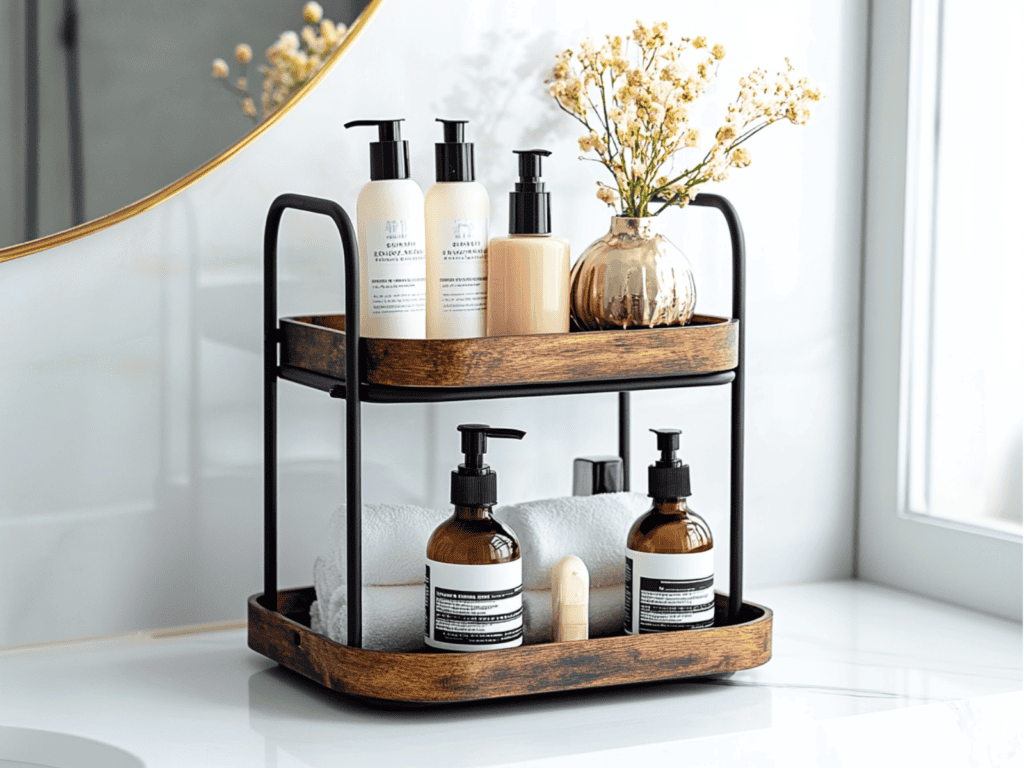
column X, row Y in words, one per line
column 707, row 345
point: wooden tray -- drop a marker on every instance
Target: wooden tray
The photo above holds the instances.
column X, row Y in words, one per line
column 438, row 678
column 707, row 345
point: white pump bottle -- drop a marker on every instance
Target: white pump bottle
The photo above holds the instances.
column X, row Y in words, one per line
column 457, row 214
column 392, row 268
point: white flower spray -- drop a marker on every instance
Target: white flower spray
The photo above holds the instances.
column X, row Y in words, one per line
column 293, row 60
column 636, row 112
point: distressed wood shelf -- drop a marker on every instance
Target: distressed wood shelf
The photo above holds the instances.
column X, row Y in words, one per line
column 426, row 678
column 707, row 345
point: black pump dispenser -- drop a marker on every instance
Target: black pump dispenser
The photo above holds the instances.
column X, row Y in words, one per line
column 529, row 211
column 453, row 160
column 668, row 477
column 474, row 484
column 389, row 156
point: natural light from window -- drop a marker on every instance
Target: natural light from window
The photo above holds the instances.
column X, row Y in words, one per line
column 964, row 375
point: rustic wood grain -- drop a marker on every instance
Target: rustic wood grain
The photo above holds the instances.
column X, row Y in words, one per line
column 707, row 345
column 545, row 668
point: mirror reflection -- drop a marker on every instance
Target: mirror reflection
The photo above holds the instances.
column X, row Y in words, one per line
column 108, row 103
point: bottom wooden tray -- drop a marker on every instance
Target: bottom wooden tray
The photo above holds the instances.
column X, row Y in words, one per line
column 437, row 678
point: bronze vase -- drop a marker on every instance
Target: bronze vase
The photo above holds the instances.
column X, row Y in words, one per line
column 632, row 277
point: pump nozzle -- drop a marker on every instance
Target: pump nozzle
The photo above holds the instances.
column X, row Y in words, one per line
column 474, row 484
column 387, row 130
column 529, row 210
column 474, row 441
column 529, row 166
column 668, row 477
column 668, row 444
column 389, row 155
column 453, row 130
column 453, row 160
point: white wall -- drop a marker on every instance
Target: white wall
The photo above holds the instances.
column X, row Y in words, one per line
column 130, row 391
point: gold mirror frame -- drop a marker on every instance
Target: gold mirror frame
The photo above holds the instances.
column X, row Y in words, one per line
column 110, row 219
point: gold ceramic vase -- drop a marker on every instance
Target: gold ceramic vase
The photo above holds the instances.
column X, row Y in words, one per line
column 633, row 277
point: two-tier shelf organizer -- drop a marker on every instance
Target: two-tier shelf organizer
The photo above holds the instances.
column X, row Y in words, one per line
column 327, row 353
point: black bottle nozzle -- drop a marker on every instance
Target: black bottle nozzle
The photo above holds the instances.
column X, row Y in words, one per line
column 453, row 130
column 530, row 206
column 474, row 484
column 668, row 444
column 668, row 477
column 529, row 168
column 389, row 155
column 453, row 160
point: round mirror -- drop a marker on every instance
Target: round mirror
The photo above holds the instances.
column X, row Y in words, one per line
column 112, row 103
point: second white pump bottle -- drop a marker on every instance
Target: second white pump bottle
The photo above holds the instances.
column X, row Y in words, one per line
column 457, row 211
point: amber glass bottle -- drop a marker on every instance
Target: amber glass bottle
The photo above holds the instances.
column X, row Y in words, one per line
column 669, row 553
column 670, row 527
column 472, row 537
column 474, row 576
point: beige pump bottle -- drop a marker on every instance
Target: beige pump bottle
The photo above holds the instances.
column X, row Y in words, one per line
column 528, row 271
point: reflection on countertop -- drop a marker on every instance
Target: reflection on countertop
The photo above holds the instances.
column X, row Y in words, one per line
column 33, row 748
column 853, row 663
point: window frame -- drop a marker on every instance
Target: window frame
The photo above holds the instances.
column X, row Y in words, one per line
column 897, row 545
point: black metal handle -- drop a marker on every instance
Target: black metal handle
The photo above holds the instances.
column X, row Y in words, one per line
column 732, row 219
column 353, row 497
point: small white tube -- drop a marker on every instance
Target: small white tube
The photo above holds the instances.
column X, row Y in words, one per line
column 570, row 600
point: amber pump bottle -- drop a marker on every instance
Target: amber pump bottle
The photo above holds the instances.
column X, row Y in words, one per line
column 474, row 576
column 669, row 557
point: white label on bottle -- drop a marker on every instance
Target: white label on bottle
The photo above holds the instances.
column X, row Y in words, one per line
column 474, row 607
column 462, row 272
column 669, row 592
column 396, row 266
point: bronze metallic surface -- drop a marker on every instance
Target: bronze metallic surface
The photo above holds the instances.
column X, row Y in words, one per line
column 633, row 277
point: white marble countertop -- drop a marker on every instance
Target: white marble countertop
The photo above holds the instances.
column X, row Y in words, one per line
column 859, row 673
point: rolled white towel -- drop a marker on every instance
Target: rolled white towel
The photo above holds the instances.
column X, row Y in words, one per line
column 394, row 542
column 593, row 528
column 393, row 616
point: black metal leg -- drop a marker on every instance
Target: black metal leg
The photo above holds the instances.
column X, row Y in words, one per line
column 353, row 497
column 736, row 411
column 624, row 437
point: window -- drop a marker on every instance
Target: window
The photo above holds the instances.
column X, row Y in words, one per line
column 940, row 480
column 963, row 376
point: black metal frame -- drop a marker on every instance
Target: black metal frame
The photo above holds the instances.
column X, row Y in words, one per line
column 355, row 392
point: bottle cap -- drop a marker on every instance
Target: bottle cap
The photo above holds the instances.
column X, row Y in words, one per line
column 453, row 160
column 474, row 484
column 529, row 210
column 389, row 157
column 596, row 474
column 668, row 477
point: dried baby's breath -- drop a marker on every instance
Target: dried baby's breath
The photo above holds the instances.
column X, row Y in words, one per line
column 292, row 61
column 634, row 95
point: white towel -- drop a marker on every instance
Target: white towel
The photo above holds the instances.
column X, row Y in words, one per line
column 593, row 528
column 393, row 616
column 394, row 542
